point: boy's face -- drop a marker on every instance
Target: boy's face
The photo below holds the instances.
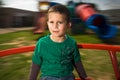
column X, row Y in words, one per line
column 57, row 24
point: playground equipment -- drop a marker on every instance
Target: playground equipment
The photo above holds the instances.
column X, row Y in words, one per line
column 95, row 21
column 41, row 24
column 86, row 12
column 110, row 48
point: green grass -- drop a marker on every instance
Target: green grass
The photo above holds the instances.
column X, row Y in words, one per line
column 8, row 37
column 16, row 67
column 18, row 39
column 97, row 64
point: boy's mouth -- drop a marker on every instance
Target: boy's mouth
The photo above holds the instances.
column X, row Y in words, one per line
column 55, row 31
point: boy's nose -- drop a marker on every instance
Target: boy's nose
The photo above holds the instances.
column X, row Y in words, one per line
column 55, row 25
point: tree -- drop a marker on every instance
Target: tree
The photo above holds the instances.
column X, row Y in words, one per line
column 1, row 3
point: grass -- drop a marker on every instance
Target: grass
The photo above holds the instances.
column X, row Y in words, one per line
column 16, row 67
column 98, row 64
column 8, row 37
column 18, row 39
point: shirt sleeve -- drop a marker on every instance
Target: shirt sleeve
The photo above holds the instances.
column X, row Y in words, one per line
column 34, row 71
column 76, row 53
column 36, row 58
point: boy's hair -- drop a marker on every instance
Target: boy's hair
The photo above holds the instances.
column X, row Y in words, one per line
column 60, row 9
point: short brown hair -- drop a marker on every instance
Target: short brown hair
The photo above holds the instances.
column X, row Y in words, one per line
column 60, row 9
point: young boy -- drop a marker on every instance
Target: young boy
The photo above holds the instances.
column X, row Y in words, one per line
column 57, row 54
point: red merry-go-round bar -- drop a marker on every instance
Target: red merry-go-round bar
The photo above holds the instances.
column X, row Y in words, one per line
column 112, row 49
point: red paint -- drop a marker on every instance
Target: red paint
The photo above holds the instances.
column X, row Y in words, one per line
column 85, row 11
column 16, row 50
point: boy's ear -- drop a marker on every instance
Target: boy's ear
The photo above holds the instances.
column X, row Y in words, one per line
column 69, row 25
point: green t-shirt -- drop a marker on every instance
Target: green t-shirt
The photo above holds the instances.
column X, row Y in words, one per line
column 56, row 59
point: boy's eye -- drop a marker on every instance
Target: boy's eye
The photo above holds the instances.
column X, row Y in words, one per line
column 51, row 22
column 60, row 22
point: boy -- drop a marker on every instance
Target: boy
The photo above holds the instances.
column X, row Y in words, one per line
column 56, row 54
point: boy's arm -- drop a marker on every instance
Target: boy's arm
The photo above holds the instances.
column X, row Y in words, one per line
column 81, row 71
column 34, row 71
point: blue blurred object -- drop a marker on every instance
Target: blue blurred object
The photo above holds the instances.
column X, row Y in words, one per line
column 98, row 23
column 53, row 3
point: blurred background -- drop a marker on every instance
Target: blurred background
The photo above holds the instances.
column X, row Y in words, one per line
column 22, row 13
column 22, row 23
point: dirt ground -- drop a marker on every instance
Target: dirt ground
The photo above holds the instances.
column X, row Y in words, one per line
column 7, row 30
